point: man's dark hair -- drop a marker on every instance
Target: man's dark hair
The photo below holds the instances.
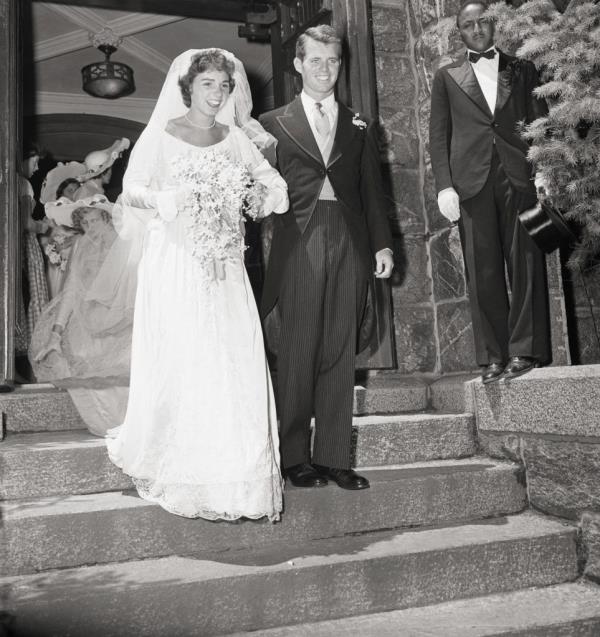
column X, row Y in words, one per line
column 64, row 184
column 201, row 62
column 321, row 33
column 468, row 3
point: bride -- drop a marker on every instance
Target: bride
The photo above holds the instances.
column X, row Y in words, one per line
column 200, row 434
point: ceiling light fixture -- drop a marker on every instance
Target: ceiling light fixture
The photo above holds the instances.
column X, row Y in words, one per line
column 106, row 79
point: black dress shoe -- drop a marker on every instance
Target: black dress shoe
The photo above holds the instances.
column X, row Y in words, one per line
column 519, row 365
column 492, row 372
column 305, row 475
column 345, row 478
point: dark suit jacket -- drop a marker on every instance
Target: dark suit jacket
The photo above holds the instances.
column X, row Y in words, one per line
column 354, row 172
column 462, row 129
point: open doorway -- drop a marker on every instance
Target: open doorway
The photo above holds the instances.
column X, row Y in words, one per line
column 57, row 42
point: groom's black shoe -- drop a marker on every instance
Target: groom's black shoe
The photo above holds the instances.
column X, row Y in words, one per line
column 345, row 478
column 305, row 475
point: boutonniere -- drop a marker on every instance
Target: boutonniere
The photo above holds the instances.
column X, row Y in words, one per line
column 357, row 121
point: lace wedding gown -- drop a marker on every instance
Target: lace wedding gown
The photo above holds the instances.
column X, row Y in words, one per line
column 200, row 435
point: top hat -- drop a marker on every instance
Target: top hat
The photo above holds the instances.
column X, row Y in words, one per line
column 546, row 226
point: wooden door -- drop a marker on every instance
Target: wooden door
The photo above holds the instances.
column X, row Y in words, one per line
column 357, row 89
column 10, row 156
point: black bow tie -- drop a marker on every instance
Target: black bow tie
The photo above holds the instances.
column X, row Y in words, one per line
column 475, row 57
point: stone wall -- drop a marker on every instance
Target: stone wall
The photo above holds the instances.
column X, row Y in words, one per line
column 549, row 422
column 431, row 309
column 582, row 292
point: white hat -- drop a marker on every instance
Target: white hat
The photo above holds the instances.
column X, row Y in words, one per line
column 55, row 177
column 61, row 210
column 98, row 161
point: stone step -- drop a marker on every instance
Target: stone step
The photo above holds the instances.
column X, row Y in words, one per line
column 65, row 531
column 314, row 581
column 39, row 408
column 45, row 408
column 74, row 462
column 565, row 610
column 546, row 401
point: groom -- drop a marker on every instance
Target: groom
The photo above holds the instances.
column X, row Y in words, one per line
column 322, row 254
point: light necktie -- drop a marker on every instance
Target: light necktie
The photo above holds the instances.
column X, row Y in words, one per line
column 321, row 120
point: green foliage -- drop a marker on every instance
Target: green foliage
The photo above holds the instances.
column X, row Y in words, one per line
column 565, row 145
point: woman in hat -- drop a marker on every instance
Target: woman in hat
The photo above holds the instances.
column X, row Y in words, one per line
column 33, row 288
column 61, row 181
column 82, row 340
column 98, row 168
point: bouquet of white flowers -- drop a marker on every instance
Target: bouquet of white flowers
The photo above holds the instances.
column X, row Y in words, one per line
column 220, row 192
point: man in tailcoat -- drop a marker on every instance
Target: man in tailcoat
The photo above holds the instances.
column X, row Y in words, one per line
column 322, row 254
column 483, row 180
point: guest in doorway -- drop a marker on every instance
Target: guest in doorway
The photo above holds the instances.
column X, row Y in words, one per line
column 60, row 182
column 32, row 286
column 82, row 341
column 98, row 171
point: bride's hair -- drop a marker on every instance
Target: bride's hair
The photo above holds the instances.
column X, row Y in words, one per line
column 211, row 60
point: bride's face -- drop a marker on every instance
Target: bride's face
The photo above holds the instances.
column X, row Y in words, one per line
column 209, row 93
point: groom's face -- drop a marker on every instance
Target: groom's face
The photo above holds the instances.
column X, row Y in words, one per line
column 319, row 68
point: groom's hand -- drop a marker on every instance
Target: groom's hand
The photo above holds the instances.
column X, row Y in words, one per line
column 384, row 263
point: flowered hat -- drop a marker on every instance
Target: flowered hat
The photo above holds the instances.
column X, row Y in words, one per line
column 98, row 161
column 55, row 177
column 61, row 210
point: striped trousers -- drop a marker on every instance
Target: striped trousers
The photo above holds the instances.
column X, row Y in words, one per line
column 321, row 303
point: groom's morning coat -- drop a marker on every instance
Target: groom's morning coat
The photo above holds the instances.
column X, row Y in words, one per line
column 354, row 171
column 463, row 131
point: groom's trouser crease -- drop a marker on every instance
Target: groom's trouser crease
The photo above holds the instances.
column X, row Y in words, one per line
column 321, row 301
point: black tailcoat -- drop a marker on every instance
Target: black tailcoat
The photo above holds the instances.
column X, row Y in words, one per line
column 354, row 170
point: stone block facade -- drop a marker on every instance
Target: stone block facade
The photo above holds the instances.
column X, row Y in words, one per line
column 548, row 421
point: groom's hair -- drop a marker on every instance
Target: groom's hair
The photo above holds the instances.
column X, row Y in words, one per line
column 321, row 33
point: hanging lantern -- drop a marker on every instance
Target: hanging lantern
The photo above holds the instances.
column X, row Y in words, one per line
column 106, row 79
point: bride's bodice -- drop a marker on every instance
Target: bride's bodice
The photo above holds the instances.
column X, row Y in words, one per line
column 192, row 196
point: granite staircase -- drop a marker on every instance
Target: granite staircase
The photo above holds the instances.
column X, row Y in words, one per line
column 441, row 544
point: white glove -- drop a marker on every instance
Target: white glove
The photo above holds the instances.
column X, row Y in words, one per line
column 449, row 205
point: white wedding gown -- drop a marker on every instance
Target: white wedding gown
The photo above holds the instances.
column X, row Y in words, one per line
column 200, row 435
